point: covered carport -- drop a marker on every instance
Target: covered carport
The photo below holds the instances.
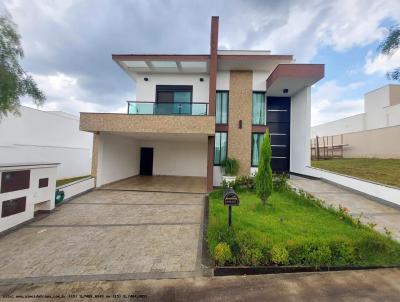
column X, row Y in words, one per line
column 152, row 162
column 151, row 153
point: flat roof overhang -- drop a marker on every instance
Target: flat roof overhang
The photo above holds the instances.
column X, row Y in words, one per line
column 134, row 64
column 293, row 77
column 253, row 62
column 160, row 124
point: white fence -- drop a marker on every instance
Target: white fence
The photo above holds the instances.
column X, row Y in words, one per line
column 77, row 187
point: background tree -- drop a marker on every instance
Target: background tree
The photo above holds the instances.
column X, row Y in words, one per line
column 14, row 81
column 264, row 173
column 389, row 46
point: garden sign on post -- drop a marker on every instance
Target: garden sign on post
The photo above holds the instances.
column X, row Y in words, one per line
column 230, row 199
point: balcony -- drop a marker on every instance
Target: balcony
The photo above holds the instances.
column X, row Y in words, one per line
column 167, row 108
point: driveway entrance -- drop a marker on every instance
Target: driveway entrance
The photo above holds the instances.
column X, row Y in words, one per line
column 108, row 235
column 157, row 183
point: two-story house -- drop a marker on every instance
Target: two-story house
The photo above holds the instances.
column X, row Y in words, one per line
column 193, row 111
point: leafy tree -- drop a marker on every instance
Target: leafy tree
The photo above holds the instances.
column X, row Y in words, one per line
column 389, row 46
column 14, row 81
column 264, row 173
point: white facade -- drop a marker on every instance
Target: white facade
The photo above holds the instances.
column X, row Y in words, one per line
column 382, row 109
column 43, row 136
column 36, row 198
column 146, row 90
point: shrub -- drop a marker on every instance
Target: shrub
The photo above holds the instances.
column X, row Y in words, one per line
column 279, row 182
column 318, row 254
column 244, row 183
column 222, row 253
column 342, row 251
column 279, row 255
column 231, row 166
column 251, row 256
column 264, row 173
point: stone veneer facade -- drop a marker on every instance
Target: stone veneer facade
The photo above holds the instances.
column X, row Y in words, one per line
column 240, row 109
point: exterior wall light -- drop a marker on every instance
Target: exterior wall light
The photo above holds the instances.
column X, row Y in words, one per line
column 146, row 79
column 240, row 124
column 285, row 90
column 201, row 80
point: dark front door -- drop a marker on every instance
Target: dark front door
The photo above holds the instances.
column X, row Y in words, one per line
column 146, row 161
column 278, row 120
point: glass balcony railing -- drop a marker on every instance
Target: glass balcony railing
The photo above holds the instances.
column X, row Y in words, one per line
column 177, row 108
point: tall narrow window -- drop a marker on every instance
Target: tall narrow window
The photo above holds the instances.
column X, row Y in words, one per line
column 259, row 109
column 256, row 142
column 221, row 107
column 220, row 147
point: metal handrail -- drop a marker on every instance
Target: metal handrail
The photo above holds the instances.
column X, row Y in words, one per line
column 180, row 105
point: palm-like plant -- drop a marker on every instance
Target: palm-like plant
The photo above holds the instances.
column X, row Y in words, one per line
column 389, row 46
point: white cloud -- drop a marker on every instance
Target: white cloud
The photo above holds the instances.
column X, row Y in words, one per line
column 340, row 24
column 64, row 94
column 381, row 64
column 329, row 102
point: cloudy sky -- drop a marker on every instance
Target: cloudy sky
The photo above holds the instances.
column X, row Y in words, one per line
column 68, row 44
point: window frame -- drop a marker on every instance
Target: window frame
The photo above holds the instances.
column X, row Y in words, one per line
column 265, row 106
column 215, row 137
column 227, row 108
column 173, row 89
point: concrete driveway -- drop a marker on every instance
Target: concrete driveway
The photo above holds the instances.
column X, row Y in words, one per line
column 108, row 235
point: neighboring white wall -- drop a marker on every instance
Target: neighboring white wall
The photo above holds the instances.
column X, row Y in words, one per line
column 300, row 120
column 43, row 136
column 118, row 158
column 223, row 79
column 36, row 198
column 260, row 80
column 374, row 102
column 344, row 125
column 387, row 193
column 382, row 109
column 178, row 158
column 146, row 91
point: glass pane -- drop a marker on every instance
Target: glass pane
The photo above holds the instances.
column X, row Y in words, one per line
column 199, row 109
column 223, row 146
column 141, row 108
column 182, row 96
column 259, row 109
column 221, row 107
column 257, row 140
column 217, row 148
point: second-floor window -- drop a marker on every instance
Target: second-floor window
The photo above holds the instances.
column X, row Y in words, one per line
column 174, row 93
column 221, row 104
column 259, row 109
column 174, row 99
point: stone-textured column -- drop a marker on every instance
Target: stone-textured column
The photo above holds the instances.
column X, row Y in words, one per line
column 240, row 109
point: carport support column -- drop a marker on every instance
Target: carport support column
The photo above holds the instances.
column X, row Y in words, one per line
column 210, row 163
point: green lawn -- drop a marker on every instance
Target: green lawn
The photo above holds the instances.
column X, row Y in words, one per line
column 294, row 230
column 385, row 171
column 61, row 182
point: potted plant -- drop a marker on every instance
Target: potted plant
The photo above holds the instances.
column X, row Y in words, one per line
column 230, row 169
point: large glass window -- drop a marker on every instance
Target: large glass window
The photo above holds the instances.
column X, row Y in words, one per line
column 220, row 147
column 256, row 142
column 221, row 107
column 259, row 109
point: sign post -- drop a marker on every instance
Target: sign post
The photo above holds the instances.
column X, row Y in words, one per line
column 230, row 199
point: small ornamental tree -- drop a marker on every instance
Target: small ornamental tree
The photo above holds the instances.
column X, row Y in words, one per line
column 264, row 173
